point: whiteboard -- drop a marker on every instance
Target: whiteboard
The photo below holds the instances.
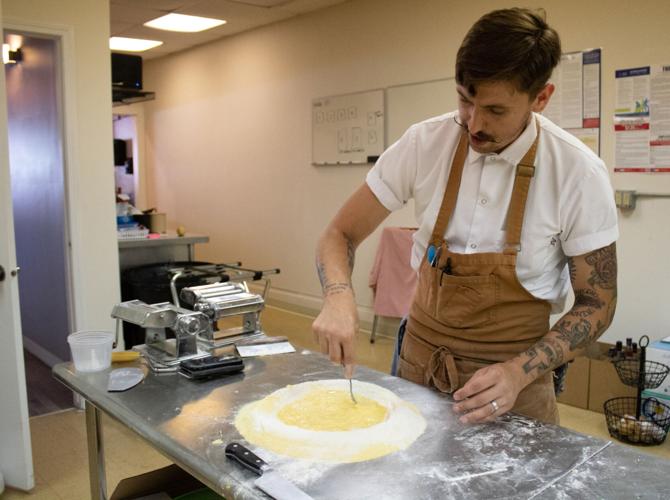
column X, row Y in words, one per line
column 348, row 128
column 415, row 102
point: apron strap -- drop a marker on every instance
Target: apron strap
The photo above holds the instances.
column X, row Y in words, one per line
column 525, row 171
column 451, row 192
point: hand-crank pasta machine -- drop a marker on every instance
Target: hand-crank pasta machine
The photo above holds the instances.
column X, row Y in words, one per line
column 225, row 297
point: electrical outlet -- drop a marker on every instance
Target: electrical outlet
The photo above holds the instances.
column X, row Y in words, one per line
column 625, row 200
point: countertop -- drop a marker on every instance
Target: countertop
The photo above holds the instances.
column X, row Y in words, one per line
column 514, row 457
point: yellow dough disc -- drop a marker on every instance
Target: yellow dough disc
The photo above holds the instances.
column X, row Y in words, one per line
column 332, row 410
column 318, row 421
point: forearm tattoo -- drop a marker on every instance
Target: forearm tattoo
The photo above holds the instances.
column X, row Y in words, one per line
column 589, row 317
column 331, row 288
column 554, row 356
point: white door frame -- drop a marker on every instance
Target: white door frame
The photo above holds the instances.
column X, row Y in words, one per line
column 137, row 112
column 16, row 461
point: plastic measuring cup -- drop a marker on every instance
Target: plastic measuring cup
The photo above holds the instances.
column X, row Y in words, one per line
column 91, row 350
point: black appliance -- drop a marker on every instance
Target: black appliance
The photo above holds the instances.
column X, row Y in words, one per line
column 127, row 80
column 127, row 71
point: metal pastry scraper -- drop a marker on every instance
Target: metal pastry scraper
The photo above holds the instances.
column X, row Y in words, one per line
column 269, row 481
column 123, row 379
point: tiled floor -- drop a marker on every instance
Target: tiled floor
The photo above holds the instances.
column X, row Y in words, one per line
column 59, row 439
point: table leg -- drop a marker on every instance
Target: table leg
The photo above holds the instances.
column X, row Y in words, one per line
column 373, row 333
column 96, row 456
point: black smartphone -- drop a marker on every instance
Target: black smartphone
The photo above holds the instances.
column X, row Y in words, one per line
column 212, row 365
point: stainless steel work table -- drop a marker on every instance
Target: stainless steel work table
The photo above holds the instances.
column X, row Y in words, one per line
column 191, row 422
column 167, row 248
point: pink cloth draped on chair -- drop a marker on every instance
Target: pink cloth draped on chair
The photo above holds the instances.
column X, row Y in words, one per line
column 392, row 278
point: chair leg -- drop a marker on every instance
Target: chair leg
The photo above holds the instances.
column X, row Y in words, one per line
column 374, row 329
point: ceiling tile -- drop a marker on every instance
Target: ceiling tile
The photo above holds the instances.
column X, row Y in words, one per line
column 133, row 14
column 117, row 28
column 232, row 11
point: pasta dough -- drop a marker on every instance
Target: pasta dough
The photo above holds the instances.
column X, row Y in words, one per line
column 332, row 410
column 318, row 421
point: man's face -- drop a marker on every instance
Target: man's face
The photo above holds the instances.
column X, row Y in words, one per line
column 497, row 114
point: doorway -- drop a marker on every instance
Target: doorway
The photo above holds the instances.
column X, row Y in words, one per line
column 37, row 169
column 125, row 156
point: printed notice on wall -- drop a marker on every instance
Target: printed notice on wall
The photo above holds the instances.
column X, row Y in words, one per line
column 642, row 119
column 659, row 117
column 632, row 92
column 348, row 129
column 575, row 105
column 632, row 145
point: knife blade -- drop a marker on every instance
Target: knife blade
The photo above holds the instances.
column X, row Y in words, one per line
column 270, row 481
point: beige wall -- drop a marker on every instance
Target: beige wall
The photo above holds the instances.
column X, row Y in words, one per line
column 229, row 135
column 83, row 27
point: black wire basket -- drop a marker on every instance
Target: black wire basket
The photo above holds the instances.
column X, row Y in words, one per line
column 650, row 429
column 629, row 372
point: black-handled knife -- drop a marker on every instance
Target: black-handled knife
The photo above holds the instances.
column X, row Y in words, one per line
column 269, row 481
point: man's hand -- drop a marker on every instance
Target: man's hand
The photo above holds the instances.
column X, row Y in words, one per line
column 335, row 330
column 500, row 383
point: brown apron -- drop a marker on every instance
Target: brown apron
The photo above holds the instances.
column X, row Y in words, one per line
column 470, row 310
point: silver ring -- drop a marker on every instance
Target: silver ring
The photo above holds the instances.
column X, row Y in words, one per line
column 495, row 406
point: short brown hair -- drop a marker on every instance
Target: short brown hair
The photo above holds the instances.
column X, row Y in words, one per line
column 515, row 45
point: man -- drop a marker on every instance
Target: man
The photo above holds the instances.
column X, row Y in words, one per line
column 512, row 210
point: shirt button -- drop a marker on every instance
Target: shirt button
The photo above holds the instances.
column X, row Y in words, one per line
column 473, row 245
column 484, row 201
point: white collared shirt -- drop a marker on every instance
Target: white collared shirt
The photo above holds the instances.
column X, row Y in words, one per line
column 570, row 208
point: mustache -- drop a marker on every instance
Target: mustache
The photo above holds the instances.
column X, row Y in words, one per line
column 481, row 136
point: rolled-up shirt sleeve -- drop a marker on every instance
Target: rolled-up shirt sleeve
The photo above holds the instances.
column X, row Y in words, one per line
column 392, row 178
column 589, row 215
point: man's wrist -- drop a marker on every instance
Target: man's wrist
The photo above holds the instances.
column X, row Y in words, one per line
column 336, row 288
column 518, row 365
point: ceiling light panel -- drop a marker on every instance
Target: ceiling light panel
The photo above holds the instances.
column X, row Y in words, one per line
column 184, row 23
column 132, row 44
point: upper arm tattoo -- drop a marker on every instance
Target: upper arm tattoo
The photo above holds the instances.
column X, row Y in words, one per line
column 594, row 284
column 593, row 278
column 603, row 267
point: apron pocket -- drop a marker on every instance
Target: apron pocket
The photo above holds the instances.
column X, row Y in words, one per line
column 466, row 301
